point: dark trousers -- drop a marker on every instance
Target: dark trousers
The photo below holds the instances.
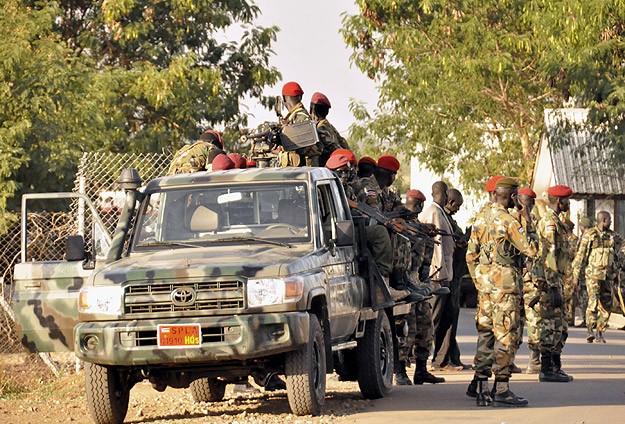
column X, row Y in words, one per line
column 445, row 313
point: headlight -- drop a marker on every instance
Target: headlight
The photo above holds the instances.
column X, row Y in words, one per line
column 100, row 300
column 273, row 291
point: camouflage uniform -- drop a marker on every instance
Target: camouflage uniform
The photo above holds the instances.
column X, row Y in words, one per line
column 598, row 249
column 330, row 140
column 548, row 272
column 479, row 251
column 530, row 291
column 308, row 156
column 193, row 158
column 509, row 241
column 569, row 288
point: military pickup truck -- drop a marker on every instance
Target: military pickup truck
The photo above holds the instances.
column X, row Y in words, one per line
column 212, row 277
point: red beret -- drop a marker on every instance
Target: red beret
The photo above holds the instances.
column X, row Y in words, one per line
column 222, row 162
column 238, row 160
column 417, row 194
column 321, row 99
column 337, row 161
column 348, row 153
column 212, row 136
column 388, row 162
column 292, row 89
column 491, row 185
column 367, row 159
column 251, row 163
column 559, row 191
column 527, row 191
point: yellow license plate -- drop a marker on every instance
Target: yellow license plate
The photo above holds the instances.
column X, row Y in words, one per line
column 179, row 335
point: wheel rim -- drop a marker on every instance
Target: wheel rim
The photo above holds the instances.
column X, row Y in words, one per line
column 384, row 354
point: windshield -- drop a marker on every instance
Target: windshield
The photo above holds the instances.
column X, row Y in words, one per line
column 250, row 213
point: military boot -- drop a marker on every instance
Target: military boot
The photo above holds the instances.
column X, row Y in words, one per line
column 483, row 396
column 557, row 366
column 547, row 373
column 514, row 369
column 421, row 374
column 472, row 389
column 504, row 397
column 533, row 366
column 401, row 378
column 599, row 338
column 398, row 289
column 590, row 337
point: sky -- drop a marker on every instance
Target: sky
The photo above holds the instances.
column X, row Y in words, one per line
column 311, row 51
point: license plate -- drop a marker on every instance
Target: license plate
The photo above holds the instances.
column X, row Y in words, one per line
column 179, row 335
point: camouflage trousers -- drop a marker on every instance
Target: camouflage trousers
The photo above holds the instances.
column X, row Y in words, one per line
column 418, row 340
column 552, row 325
column 582, row 298
column 599, row 304
column 497, row 321
column 532, row 316
column 569, row 300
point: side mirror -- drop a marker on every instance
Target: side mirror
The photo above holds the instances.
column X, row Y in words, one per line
column 345, row 233
column 75, row 248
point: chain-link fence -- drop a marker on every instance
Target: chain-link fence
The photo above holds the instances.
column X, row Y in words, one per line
column 49, row 222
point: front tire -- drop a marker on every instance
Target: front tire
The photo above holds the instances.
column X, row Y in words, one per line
column 375, row 358
column 305, row 372
column 208, row 390
column 107, row 394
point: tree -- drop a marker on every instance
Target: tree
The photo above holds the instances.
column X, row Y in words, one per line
column 132, row 75
column 464, row 84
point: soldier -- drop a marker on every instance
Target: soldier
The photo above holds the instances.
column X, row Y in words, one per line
column 500, row 263
column 420, row 329
column 197, row 156
column 548, row 271
column 582, row 294
column 292, row 96
column 598, row 248
column 329, row 137
column 366, row 167
column 527, row 199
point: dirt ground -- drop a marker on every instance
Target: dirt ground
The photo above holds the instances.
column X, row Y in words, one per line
column 64, row 402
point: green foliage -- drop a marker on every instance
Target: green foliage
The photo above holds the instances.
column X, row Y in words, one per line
column 464, row 85
column 131, row 75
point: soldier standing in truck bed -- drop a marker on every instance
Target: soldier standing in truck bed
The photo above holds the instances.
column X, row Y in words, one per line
column 329, row 137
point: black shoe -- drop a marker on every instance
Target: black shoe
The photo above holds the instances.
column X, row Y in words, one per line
column 402, row 379
column 599, row 338
column 514, row 369
column 547, row 371
column 423, row 376
column 591, row 336
column 509, row 400
column 472, row 389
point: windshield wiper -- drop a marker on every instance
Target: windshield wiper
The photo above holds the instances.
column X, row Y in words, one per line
column 166, row 243
column 261, row 240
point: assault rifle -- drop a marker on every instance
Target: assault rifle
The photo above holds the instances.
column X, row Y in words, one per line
column 430, row 230
column 412, row 231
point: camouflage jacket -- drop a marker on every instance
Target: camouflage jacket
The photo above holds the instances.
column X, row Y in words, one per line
column 368, row 191
column 552, row 260
column 192, row 158
column 297, row 114
column 478, row 248
column 598, row 250
column 328, row 136
column 510, row 241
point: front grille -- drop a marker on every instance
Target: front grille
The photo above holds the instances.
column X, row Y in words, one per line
column 157, row 297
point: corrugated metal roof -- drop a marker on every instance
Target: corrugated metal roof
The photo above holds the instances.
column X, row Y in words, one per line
column 581, row 164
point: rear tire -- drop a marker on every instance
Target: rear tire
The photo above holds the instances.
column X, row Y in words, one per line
column 107, row 394
column 376, row 358
column 208, row 390
column 305, row 372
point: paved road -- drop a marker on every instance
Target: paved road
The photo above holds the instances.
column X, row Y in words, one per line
column 597, row 395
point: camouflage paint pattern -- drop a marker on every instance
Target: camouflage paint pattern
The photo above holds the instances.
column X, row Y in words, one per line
column 192, row 158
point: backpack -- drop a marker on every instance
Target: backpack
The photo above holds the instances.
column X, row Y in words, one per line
column 191, row 158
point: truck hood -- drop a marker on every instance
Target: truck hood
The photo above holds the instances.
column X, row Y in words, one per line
column 250, row 261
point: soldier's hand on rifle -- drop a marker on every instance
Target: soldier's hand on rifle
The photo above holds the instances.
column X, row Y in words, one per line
column 399, row 224
column 556, row 297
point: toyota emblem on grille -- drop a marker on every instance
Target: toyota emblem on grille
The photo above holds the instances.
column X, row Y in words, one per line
column 183, row 296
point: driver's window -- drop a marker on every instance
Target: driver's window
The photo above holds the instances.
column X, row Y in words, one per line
column 327, row 212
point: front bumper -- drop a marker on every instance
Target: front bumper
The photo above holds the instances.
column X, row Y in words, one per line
column 224, row 338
